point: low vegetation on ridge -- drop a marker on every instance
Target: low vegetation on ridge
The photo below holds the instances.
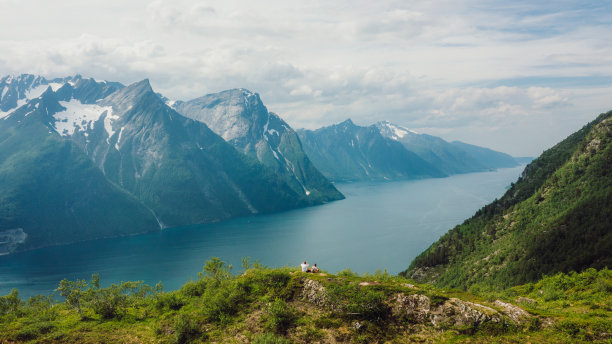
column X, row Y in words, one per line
column 262, row 305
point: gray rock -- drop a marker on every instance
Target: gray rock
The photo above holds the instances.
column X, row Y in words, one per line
column 415, row 307
column 517, row 314
column 457, row 312
column 315, row 293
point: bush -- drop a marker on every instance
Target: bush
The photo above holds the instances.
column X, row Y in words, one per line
column 193, row 289
column 224, row 300
column 10, row 303
column 280, row 317
column 361, row 303
column 185, row 329
column 109, row 302
column 169, row 300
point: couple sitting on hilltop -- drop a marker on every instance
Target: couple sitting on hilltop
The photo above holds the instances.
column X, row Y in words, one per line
column 305, row 268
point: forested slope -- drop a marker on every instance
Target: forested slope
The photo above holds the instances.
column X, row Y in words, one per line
column 556, row 218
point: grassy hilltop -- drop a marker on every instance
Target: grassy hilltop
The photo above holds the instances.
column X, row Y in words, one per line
column 264, row 305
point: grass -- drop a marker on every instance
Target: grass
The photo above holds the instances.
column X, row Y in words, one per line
column 264, row 305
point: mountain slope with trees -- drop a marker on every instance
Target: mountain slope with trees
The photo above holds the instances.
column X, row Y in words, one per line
column 556, row 218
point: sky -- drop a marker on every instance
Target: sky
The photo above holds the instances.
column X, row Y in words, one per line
column 515, row 76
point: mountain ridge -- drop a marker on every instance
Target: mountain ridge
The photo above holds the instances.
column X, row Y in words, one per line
column 240, row 117
column 137, row 148
column 555, row 218
column 393, row 152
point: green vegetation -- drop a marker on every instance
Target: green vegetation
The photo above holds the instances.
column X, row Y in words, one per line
column 556, row 218
column 263, row 305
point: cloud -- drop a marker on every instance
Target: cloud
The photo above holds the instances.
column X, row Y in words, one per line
column 442, row 64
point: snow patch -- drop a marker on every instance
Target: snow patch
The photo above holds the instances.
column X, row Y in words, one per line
column 78, row 116
column 35, row 92
column 55, row 86
column 108, row 123
column 170, row 103
column 119, row 138
column 4, row 90
column 396, row 132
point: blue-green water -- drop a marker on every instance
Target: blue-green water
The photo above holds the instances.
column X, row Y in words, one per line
column 378, row 226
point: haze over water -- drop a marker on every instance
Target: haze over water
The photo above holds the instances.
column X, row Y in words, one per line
column 380, row 225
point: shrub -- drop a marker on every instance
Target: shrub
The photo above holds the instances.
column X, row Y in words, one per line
column 109, row 302
column 280, row 316
column 10, row 303
column 362, row 303
column 169, row 300
column 185, row 329
column 192, row 289
column 223, row 301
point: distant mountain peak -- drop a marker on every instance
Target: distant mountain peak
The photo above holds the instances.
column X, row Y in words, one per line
column 347, row 124
column 144, row 86
column 393, row 131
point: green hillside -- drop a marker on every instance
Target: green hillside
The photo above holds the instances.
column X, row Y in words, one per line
column 556, row 218
column 286, row 306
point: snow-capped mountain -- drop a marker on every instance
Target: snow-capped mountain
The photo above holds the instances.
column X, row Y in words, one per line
column 240, row 117
column 449, row 157
column 51, row 192
column 89, row 159
column 16, row 91
column 346, row 151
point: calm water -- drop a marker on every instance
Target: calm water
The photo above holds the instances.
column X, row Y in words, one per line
column 377, row 226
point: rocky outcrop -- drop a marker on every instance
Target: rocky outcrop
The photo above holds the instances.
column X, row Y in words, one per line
column 456, row 312
column 421, row 309
column 414, row 307
column 517, row 314
column 418, row 308
column 315, row 293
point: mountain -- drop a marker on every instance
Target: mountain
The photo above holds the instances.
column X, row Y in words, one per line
column 175, row 165
column 556, row 218
column 89, row 159
column 489, row 158
column 16, row 91
column 240, row 117
column 346, row 151
column 451, row 158
column 51, row 192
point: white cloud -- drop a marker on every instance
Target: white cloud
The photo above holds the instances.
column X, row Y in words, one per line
column 444, row 65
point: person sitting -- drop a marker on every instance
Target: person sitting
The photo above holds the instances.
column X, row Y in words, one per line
column 315, row 268
column 304, row 266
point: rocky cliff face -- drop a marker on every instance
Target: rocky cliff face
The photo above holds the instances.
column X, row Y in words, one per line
column 240, row 117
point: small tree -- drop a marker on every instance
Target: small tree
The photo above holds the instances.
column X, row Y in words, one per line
column 74, row 292
column 10, row 303
column 216, row 269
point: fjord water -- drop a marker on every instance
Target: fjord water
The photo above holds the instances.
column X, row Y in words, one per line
column 380, row 225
